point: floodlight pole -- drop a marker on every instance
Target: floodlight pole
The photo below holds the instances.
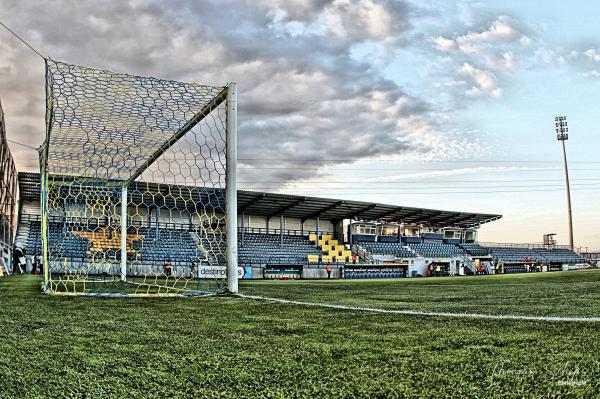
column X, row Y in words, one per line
column 124, row 233
column 562, row 134
column 231, row 190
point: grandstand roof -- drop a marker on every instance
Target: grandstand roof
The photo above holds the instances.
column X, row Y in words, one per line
column 269, row 204
column 304, row 207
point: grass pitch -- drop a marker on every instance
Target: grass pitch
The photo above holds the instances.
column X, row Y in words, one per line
column 228, row 347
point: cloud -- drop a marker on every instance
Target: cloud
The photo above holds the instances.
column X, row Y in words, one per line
column 485, row 82
column 593, row 73
column 503, row 62
column 468, row 10
column 593, row 54
column 476, row 63
column 461, row 172
column 369, row 20
column 586, row 60
column 302, row 94
column 501, row 30
column 443, row 44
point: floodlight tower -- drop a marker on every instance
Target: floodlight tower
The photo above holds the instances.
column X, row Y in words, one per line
column 562, row 134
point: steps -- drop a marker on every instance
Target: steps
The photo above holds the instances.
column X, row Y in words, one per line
column 469, row 265
column 23, row 232
column 363, row 255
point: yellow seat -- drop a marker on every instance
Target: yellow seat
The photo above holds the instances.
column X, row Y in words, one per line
column 333, row 242
column 312, row 237
column 326, row 237
column 313, row 258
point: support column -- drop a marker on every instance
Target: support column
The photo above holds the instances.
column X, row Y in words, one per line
column 317, row 231
column 231, row 189
column 281, row 226
column 157, row 218
column 350, row 234
column 243, row 228
column 124, row 202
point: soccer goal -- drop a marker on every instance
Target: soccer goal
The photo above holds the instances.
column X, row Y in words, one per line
column 138, row 185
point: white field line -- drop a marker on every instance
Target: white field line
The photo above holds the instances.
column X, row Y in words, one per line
column 422, row 313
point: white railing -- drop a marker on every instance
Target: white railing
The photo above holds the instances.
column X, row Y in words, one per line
column 522, row 245
column 362, row 253
column 469, row 264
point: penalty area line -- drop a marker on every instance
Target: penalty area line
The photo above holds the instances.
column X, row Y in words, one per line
column 423, row 313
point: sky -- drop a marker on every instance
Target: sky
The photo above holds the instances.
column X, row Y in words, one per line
column 440, row 104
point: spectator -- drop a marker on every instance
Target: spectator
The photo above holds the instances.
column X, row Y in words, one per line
column 36, row 264
column 18, row 259
column 168, row 268
column 329, row 269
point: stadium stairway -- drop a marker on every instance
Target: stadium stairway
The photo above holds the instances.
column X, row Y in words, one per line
column 23, row 232
column 468, row 263
column 361, row 254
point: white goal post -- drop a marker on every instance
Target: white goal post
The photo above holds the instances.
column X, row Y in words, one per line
column 138, row 185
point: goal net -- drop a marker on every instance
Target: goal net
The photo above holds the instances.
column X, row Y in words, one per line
column 138, row 185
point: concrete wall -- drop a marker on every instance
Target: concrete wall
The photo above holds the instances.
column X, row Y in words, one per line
column 319, row 273
column 419, row 265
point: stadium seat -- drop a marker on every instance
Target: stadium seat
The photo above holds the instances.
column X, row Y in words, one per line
column 399, row 250
column 267, row 249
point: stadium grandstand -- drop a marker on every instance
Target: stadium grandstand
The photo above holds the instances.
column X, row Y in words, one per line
column 290, row 236
column 8, row 199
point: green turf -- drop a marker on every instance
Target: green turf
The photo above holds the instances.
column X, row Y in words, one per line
column 574, row 293
column 227, row 347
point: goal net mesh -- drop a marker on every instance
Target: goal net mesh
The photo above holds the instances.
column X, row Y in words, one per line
column 133, row 184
